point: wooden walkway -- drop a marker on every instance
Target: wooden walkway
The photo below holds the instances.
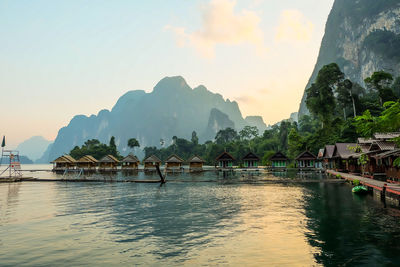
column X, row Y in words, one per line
column 379, row 185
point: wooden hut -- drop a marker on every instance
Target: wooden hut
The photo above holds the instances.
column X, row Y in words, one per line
column 375, row 168
column 250, row 160
column 342, row 155
column 225, row 160
column 387, row 160
column 173, row 162
column 151, row 162
column 328, row 161
column 306, row 160
column 108, row 162
column 87, row 163
column 64, row 162
column 196, row 163
column 279, row 161
column 130, row 162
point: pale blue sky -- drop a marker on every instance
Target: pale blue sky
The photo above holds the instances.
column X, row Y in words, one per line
column 62, row 58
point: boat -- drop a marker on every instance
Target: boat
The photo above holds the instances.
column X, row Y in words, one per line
column 360, row 189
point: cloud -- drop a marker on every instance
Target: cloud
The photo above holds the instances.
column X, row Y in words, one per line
column 221, row 25
column 293, row 26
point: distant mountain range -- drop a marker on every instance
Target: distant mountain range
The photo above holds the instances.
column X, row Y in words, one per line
column 171, row 109
column 33, row 147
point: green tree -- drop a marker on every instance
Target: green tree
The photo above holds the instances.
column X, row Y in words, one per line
column 248, row 132
column 295, row 143
column 133, row 142
column 195, row 139
column 380, row 81
column 320, row 97
column 225, row 136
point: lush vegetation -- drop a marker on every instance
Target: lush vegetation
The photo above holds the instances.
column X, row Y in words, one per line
column 340, row 111
column 95, row 148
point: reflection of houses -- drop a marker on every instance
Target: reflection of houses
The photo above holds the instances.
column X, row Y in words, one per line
column 306, row 160
column 64, row 162
column 279, row 161
column 173, row 162
column 87, row 162
column 196, row 163
column 225, row 160
column 130, row 162
column 328, row 160
column 108, row 162
column 251, row 160
column 342, row 156
column 151, row 162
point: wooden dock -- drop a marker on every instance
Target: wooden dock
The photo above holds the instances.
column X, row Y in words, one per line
column 378, row 185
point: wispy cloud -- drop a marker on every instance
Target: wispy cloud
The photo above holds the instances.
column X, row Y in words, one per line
column 293, row 26
column 221, row 25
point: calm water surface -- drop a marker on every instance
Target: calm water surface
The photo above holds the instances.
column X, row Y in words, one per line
column 195, row 220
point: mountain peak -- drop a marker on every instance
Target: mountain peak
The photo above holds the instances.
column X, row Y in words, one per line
column 171, row 83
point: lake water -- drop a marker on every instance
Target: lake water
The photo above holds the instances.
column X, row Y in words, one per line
column 201, row 219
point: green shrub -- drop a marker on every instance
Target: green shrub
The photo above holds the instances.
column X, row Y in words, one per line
column 356, row 182
column 338, row 176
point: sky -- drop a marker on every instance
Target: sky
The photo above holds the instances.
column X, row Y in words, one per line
column 63, row 58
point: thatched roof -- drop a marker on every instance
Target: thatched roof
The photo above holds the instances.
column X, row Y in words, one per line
column 343, row 151
column 225, row 156
column 152, row 158
column 306, row 155
column 251, row 156
column 64, row 159
column 174, row 159
column 328, row 152
column 130, row 158
column 87, row 159
column 196, row 159
column 109, row 158
column 278, row 156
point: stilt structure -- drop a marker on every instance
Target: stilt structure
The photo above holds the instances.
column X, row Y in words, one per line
column 10, row 158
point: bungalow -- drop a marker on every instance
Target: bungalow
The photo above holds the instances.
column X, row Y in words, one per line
column 87, row 162
column 151, row 162
column 251, row 160
column 328, row 160
column 64, row 162
column 225, row 160
column 342, row 156
column 387, row 160
column 375, row 168
column 108, row 162
column 173, row 162
column 306, row 160
column 196, row 163
column 130, row 162
column 279, row 160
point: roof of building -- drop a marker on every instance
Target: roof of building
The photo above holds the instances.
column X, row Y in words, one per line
column 152, row 158
column 343, row 151
column 362, row 140
column 64, row 158
column 328, row 152
column 225, row 156
column 196, row 159
column 382, row 145
column 386, row 136
column 130, row 158
column 174, row 159
column 251, row 156
column 109, row 158
column 394, row 153
column 278, row 156
column 87, row 159
column 306, row 155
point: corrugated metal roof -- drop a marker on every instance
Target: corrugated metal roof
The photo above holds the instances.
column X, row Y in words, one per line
column 386, row 136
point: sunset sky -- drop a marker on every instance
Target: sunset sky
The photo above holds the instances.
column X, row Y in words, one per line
column 63, row 58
